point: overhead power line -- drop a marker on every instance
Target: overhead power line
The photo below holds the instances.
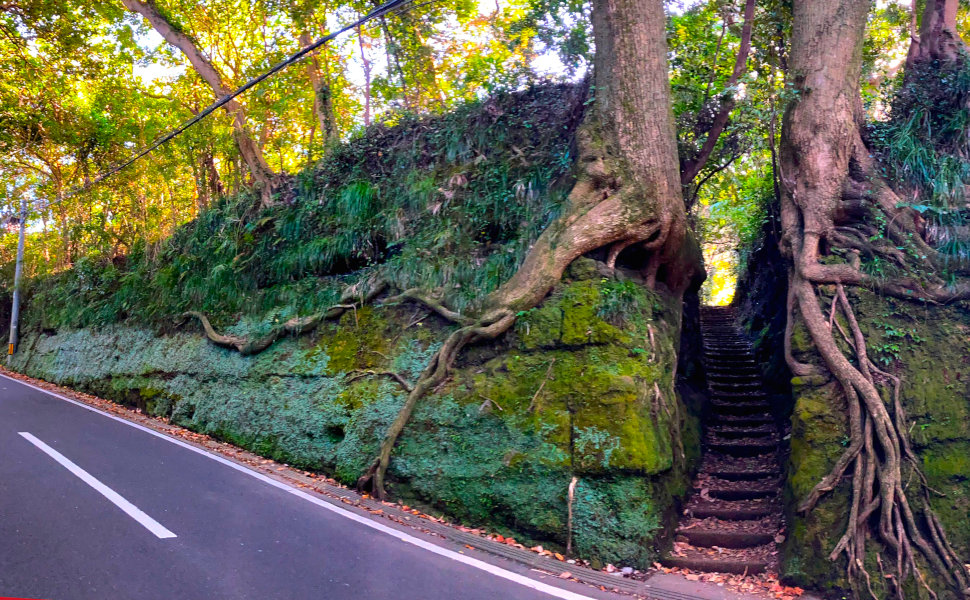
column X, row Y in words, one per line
column 382, row 10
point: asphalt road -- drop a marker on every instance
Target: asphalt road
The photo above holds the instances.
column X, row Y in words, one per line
column 94, row 507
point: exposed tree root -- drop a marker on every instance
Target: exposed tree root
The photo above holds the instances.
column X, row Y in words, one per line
column 880, row 453
column 836, row 205
column 360, row 374
column 354, row 296
column 419, row 296
column 627, row 193
column 434, row 374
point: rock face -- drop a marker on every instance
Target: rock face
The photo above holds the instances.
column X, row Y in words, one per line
column 929, row 348
column 583, row 387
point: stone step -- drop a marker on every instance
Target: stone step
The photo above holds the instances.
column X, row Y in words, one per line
column 756, row 437
column 740, row 396
column 723, row 538
column 740, row 475
column 733, row 397
column 747, row 367
column 747, row 419
column 741, row 490
column 738, row 361
column 744, row 447
column 732, row 386
column 732, row 510
column 738, row 408
column 728, row 377
column 717, row 565
column 714, row 461
column 726, row 357
column 733, row 370
column 742, row 431
column 735, row 384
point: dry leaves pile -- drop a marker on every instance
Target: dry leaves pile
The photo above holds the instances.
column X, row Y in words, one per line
column 764, row 584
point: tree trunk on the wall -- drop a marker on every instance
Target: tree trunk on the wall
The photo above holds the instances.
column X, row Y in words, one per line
column 627, row 193
column 826, row 171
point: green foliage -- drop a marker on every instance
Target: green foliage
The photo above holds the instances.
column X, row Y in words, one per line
column 449, row 202
column 592, row 441
column 562, row 26
column 616, row 519
column 623, row 302
column 924, row 143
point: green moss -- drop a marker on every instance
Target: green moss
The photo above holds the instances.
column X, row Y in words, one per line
column 357, row 342
column 498, row 445
column 927, row 349
column 580, row 322
column 583, row 269
column 947, row 461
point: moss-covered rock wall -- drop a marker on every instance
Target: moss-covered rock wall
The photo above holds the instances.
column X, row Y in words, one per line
column 583, row 387
column 929, row 348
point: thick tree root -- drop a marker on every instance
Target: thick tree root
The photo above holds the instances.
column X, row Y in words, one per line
column 435, row 373
column 420, row 297
column 879, row 454
column 360, row 374
column 352, row 297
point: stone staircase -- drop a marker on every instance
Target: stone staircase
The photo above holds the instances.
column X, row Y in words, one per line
column 732, row 521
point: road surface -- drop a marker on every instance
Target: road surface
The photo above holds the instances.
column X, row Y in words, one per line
column 96, row 507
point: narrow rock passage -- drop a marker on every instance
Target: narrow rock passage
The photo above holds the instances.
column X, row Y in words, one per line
column 731, row 522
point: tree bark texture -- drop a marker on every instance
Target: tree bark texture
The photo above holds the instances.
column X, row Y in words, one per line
column 938, row 38
column 826, row 171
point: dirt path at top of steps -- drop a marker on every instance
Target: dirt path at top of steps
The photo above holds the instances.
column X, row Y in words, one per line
column 732, row 521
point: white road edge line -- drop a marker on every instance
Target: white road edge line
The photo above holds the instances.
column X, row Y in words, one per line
column 528, row 582
column 114, row 497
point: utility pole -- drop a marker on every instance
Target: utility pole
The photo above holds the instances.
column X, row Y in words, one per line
column 15, row 309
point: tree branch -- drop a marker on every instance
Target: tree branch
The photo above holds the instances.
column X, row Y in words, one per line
column 692, row 166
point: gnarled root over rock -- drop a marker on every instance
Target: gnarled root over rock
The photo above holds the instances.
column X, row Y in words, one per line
column 837, row 210
column 627, row 192
column 354, row 296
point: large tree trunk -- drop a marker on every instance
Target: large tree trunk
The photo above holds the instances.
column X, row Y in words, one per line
column 264, row 177
column 825, row 169
column 627, row 192
column 938, row 37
